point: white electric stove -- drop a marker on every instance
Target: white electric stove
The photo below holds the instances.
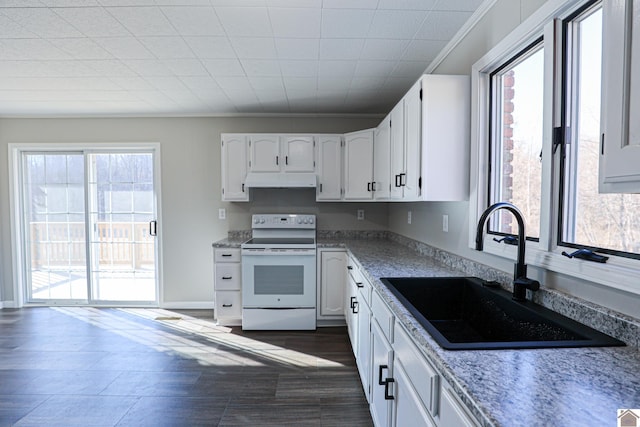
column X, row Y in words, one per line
column 279, row 273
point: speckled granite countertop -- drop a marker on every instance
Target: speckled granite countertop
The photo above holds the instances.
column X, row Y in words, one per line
column 542, row 387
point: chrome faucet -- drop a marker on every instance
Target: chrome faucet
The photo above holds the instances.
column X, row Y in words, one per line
column 520, row 281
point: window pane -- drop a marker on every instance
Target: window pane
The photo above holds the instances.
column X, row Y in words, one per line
column 607, row 221
column 516, row 169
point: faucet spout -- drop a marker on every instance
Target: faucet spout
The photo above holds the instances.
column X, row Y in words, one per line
column 520, row 281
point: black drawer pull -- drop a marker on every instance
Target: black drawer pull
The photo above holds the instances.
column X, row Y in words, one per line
column 354, row 308
column 349, row 267
column 388, row 396
column 353, row 301
column 227, row 255
column 227, row 277
column 227, row 305
column 359, row 284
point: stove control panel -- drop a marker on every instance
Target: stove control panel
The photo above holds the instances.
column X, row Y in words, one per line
column 283, row 221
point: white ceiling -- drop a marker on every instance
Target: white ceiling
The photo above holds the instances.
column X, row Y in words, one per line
column 194, row 57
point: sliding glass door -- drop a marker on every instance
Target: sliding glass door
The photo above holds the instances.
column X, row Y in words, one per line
column 89, row 227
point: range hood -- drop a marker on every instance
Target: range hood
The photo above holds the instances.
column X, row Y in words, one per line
column 280, row 180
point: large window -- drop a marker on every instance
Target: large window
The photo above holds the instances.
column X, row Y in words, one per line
column 536, row 142
column 516, row 139
column 607, row 223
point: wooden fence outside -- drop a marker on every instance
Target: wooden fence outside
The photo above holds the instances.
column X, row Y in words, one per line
column 62, row 244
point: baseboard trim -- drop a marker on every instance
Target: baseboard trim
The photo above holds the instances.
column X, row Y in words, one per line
column 8, row 304
column 187, row 305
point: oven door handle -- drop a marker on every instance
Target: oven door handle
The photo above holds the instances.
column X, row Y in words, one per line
column 261, row 252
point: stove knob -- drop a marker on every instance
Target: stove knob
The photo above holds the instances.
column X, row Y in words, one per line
column 299, row 220
column 262, row 221
column 256, row 220
column 311, row 220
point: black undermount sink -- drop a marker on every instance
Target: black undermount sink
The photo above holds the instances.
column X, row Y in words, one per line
column 465, row 313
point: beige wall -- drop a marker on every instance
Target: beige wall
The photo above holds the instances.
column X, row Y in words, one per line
column 190, row 183
column 426, row 225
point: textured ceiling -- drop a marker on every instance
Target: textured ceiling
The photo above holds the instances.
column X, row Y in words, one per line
column 192, row 57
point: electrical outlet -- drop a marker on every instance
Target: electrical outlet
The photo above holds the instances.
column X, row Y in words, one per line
column 222, row 213
column 445, row 223
column 409, row 217
column 360, row 214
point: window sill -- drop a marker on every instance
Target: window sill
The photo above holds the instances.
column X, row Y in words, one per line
column 617, row 273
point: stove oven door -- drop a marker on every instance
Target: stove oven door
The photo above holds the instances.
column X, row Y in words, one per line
column 278, row 278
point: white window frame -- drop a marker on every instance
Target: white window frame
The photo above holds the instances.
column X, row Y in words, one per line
column 619, row 272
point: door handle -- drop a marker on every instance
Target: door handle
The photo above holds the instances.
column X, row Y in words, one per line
column 353, row 302
column 153, row 228
column 398, row 181
column 403, row 182
column 354, row 309
column 368, row 186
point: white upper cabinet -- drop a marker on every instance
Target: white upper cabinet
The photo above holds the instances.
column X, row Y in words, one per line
column 234, row 168
column 329, row 167
column 445, row 138
column 620, row 123
column 358, row 165
column 412, row 104
column 381, row 161
column 396, row 126
column 282, row 153
column 299, row 153
column 265, row 153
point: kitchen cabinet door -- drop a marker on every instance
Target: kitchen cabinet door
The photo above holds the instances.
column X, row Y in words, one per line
column 234, row 168
column 381, row 165
column 408, row 406
column 620, row 125
column 351, row 312
column 332, row 283
column 382, row 371
column 363, row 357
column 397, row 160
column 265, row 153
column 412, row 103
column 329, row 168
column 299, row 153
column 452, row 412
column 358, row 165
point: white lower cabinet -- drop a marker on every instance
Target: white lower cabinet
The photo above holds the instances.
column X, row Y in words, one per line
column 452, row 411
column 409, row 411
column 331, row 284
column 401, row 384
column 227, row 286
column 382, row 385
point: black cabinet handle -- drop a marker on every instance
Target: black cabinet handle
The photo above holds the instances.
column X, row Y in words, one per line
column 373, row 186
column 227, row 305
column 354, row 309
column 243, row 187
column 349, row 267
column 277, row 160
column 387, row 395
column 398, row 181
column 227, row 277
column 380, row 369
column 403, row 181
column 359, row 284
column 368, row 186
column 226, row 255
column 286, row 160
column 353, row 302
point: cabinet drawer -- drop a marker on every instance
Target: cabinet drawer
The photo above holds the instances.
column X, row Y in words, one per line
column 425, row 379
column 228, row 276
column 227, row 255
column 382, row 315
column 228, row 304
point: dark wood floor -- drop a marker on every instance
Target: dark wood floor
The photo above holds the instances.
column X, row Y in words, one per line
column 134, row 367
